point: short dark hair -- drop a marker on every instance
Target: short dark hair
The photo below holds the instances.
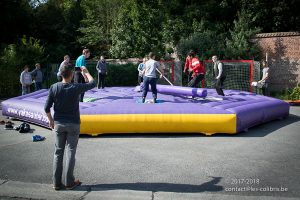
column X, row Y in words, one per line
column 25, row 66
column 191, row 53
column 151, row 55
column 66, row 71
column 85, row 51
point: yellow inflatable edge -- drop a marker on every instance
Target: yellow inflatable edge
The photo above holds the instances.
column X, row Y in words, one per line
column 207, row 124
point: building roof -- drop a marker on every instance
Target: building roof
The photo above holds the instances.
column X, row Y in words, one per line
column 277, row 34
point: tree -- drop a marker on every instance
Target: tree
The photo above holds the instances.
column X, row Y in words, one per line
column 15, row 20
column 137, row 30
column 56, row 23
column 97, row 24
column 205, row 44
column 238, row 45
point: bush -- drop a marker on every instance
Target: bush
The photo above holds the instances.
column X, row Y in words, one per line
column 118, row 74
column 294, row 94
column 204, row 44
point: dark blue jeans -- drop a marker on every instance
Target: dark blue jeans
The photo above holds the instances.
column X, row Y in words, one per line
column 152, row 82
column 38, row 86
column 219, row 84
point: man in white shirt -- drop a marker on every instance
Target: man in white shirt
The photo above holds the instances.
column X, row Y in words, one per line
column 219, row 75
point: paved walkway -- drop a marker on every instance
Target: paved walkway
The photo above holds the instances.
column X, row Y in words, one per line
column 159, row 167
column 21, row 190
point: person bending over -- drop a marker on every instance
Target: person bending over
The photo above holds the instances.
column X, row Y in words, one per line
column 198, row 71
column 80, row 63
column 150, row 77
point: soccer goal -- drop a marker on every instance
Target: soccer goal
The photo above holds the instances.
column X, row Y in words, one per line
column 172, row 72
column 239, row 74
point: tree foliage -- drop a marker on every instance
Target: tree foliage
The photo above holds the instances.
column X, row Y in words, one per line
column 137, row 30
column 12, row 60
column 132, row 28
column 97, row 24
column 238, row 44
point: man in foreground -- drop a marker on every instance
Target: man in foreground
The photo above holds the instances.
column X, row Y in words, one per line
column 66, row 123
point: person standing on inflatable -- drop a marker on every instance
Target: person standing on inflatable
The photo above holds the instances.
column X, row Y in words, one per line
column 140, row 69
column 150, row 77
column 79, row 66
column 188, row 64
column 198, row 71
column 101, row 67
column 219, row 75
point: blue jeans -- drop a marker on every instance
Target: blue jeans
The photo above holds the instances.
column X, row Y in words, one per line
column 219, row 84
column 65, row 135
column 152, row 82
column 38, row 86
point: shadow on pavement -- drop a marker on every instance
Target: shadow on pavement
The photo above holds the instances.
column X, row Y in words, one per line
column 209, row 186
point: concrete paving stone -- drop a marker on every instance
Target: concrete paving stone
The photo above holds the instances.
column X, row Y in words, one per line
column 212, row 196
column 103, row 194
column 16, row 189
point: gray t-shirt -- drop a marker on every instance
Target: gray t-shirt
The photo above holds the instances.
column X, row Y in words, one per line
column 63, row 63
column 150, row 68
column 25, row 78
column 65, row 97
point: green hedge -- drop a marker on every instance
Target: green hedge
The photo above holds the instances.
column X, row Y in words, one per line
column 118, row 74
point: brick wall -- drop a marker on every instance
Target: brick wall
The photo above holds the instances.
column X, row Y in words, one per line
column 283, row 55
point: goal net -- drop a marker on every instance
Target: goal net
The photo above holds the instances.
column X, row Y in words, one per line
column 172, row 71
column 239, row 74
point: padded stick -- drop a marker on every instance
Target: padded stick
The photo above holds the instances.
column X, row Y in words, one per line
column 164, row 77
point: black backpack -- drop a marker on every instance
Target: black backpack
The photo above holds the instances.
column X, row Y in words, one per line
column 23, row 128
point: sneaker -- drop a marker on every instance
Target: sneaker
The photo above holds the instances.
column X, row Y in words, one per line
column 143, row 100
column 58, row 187
column 154, row 100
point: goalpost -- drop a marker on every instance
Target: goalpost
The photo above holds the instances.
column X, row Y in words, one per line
column 239, row 73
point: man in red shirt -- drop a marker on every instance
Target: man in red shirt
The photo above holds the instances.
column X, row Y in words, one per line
column 198, row 71
column 188, row 64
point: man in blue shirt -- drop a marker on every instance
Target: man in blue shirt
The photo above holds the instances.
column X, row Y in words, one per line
column 80, row 62
column 37, row 75
column 102, row 71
